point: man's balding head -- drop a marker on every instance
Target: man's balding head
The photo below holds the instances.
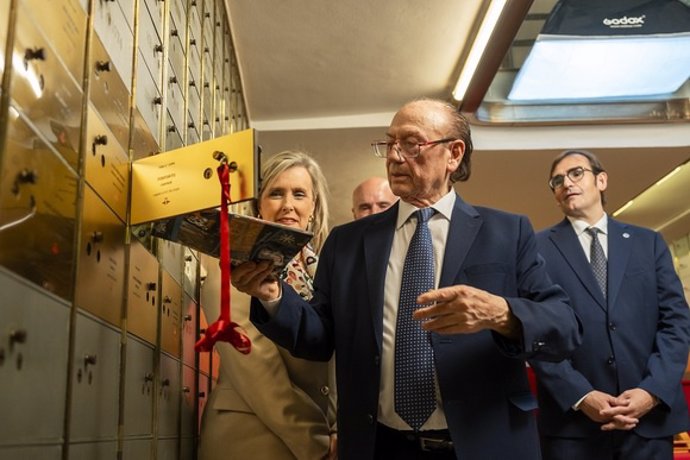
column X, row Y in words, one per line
column 371, row 196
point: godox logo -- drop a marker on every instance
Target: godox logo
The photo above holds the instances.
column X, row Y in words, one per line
column 625, row 22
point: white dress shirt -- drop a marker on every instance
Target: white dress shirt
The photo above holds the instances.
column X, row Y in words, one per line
column 580, row 227
column 586, row 240
column 404, row 229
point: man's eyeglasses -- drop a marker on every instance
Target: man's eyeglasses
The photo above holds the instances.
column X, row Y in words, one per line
column 403, row 148
column 574, row 174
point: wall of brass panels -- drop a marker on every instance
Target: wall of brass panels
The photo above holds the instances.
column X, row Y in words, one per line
column 97, row 327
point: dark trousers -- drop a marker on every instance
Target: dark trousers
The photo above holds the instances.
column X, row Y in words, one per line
column 406, row 445
column 608, row 445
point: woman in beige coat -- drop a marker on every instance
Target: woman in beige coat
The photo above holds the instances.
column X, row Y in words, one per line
column 268, row 405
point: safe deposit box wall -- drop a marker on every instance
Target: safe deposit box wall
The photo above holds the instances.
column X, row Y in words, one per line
column 97, row 327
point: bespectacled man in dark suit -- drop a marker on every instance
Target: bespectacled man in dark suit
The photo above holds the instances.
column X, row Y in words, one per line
column 491, row 305
column 619, row 396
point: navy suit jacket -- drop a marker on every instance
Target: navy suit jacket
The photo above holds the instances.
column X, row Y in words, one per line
column 482, row 378
column 639, row 338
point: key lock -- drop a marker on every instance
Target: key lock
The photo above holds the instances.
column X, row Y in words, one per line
column 165, row 308
column 35, row 54
column 187, row 324
column 164, row 390
column 222, row 158
column 23, row 177
column 99, row 140
column 148, row 383
column 89, row 361
column 93, row 245
column 16, row 336
column 151, row 293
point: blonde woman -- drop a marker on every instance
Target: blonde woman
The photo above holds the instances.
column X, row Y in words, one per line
column 268, row 404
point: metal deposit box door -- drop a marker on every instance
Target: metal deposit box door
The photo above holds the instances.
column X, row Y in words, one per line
column 142, row 295
column 38, row 193
column 34, row 333
column 100, row 277
column 95, row 395
column 139, row 389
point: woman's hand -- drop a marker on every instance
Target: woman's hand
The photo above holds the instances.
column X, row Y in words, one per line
column 257, row 280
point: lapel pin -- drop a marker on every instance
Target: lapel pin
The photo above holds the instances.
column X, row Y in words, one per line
column 626, row 235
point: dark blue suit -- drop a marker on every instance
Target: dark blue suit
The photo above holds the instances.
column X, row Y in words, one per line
column 485, row 392
column 639, row 338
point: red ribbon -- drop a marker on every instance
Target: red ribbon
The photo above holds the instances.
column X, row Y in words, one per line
column 223, row 329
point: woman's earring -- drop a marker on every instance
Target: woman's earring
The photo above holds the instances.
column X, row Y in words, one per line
column 311, row 218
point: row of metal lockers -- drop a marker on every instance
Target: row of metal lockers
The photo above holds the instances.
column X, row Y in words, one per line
column 97, row 326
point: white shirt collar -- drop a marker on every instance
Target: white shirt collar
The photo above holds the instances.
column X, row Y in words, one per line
column 444, row 207
column 580, row 225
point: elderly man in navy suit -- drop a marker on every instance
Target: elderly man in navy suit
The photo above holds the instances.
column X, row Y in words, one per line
column 619, row 396
column 431, row 307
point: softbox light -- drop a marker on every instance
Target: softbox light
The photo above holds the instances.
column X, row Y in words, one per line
column 607, row 50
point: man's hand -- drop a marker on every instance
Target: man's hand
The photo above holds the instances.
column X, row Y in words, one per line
column 594, row 403
column 256, row 280
column 627, row 409
column 464, row 309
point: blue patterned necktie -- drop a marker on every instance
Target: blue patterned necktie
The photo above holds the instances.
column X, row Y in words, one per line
column 597, row 259
column 415, row 393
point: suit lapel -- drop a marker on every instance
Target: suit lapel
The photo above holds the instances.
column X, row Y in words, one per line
column 564, row 238
column 464, row 225
column 378, row 240
column 620, row 247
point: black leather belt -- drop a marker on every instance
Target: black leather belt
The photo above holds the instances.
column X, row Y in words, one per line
column 426, row 441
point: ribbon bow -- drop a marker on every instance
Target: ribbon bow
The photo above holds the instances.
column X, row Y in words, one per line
column 223, row 329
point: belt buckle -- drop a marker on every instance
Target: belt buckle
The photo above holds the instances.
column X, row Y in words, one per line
column 435, row 445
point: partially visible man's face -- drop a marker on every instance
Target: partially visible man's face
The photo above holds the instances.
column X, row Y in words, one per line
column 423, row 180
column 371, row 197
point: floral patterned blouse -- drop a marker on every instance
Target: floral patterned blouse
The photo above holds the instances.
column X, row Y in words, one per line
column 299, row 272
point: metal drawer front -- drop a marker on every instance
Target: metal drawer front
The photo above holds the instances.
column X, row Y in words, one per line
column 143, row 142
column 171, row 310
column 33, row 343
column 191, row 265
column 38, row 193
column 110, row 92
column 169, row 399
column 100, row 277
column 95, row 384
column 148, row 99
column 142, row 295
column 178, row 11
column 173, row 137
column 155, row 11
column 170, row 256
column 107, row 165
column 113, row 25
column 139, row 389
column 44, row 89
column 150, row 50
column 66, row 28
column 175, row 102
column 189, row 322
column 189, row 401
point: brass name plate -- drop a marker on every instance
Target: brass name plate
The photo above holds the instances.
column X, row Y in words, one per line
column 185, row 180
